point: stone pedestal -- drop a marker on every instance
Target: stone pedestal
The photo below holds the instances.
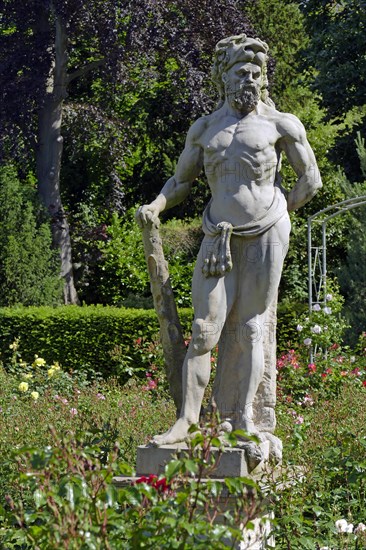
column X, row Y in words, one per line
column 234, row 462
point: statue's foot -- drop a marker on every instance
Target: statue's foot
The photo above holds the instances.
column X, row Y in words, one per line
column 176, row 434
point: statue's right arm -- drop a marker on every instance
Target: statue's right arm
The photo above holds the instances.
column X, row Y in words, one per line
column 178, row 187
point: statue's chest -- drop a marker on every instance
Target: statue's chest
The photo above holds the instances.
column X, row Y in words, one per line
column 253, row 137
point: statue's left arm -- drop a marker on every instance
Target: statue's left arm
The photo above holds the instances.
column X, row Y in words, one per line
column 295, row 145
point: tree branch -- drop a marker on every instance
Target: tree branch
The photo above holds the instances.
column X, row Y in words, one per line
column 84, row 70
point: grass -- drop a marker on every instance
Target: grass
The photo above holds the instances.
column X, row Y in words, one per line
column 324, row 437
column 131, row 411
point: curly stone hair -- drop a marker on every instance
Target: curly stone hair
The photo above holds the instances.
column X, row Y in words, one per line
column 240, row 48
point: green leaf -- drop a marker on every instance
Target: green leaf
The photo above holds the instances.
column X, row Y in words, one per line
column 196, row 440
column 214, row 487
column 234, row 484
column 248, row 481
column 191, row 466
column 318, row 511
column 39, row 498
column 172, row 468
column 111, row 494
column 36, row 531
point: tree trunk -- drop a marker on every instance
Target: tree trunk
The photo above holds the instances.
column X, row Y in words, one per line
column 170, row 328
column 49, row 152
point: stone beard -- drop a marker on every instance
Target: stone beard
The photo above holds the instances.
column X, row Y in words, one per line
column 245, row 97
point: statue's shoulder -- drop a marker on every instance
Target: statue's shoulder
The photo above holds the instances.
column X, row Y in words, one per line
column 289, row 125
column 198, row 128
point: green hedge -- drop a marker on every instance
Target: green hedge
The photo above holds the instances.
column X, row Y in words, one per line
column 101, row 339
column 95, row 338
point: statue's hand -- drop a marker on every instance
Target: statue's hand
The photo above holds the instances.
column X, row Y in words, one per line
column 147, row 213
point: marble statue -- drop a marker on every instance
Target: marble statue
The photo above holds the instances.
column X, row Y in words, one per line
column 246, row 231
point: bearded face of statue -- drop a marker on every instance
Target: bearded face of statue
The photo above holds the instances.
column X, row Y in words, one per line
column 243, row 86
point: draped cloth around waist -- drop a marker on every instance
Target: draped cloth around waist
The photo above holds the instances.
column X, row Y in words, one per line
column 217, row 259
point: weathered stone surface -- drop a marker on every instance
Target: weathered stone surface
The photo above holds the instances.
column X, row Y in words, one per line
column 265, row 399
column 234, row 462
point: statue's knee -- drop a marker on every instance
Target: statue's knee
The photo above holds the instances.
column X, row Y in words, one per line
column 205, row 336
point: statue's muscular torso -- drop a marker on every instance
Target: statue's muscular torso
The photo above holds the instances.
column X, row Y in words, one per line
column 240, row 158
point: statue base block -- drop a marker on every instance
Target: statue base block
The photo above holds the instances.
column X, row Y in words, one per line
column 233, row 462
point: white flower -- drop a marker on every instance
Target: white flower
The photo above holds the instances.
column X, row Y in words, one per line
column 329, row 297
column 307, row 341
column 360, row 528
column 307, row 401
column 325, row 548
column 316, row 307
column 341, row 526
column 349, row 528
column 299, row 328
column 327, row 310
column 316, row 329
column 352, row 359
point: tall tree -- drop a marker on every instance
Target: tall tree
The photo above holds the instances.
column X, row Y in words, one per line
column 281, row 25
column 36, row 45
column 46, row 44
column 352, row 275
column 337, row 50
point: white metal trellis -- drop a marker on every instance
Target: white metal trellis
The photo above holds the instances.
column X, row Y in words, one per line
column 317, row 255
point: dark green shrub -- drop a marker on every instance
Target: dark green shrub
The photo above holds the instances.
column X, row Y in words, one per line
column 106, row 339
column 95, row 338
column 287, row 320
column 124, row 279
column 71, row 501
column 29, row 270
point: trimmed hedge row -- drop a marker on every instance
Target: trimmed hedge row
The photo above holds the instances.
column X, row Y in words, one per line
column 100, row 338
column 93, row 338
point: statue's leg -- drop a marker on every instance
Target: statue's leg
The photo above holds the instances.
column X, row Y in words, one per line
column 212, row 299
column 261, row 265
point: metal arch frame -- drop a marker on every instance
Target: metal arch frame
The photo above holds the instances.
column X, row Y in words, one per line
column 320, row 252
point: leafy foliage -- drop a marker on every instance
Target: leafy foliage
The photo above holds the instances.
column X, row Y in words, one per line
column 56, row 485
column 91, row 339
column 282, row 26
column 337, row 52
column 74, row 503
column 123, row 261
column 352, row 272
column 159, row 91
column 28, row 266
column 324, row 480
column 73, row 497
column 121, row 266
